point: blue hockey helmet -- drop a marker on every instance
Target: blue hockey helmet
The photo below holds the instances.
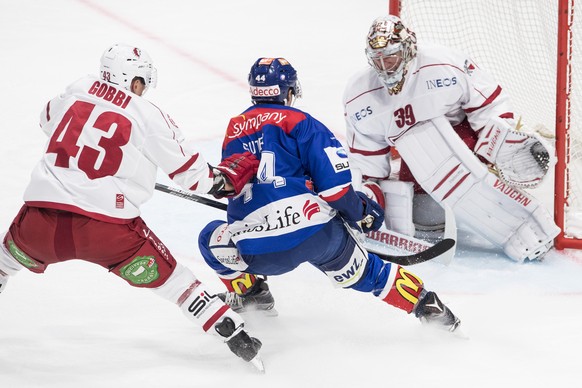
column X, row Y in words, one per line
column 270, row 80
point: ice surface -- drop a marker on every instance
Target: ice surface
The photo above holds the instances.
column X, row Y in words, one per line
column 78, row 326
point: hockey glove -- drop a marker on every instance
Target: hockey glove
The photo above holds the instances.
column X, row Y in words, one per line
column 235, row 170
column 238, row 341
column 373, row 214
column 521, row 159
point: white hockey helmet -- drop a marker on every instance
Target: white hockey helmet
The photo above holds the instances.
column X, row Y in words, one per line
column 390, row 46
column 121, row 63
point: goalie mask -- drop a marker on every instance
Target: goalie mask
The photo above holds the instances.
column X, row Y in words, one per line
column 390, row 46
column 121, row 63
column 270, row 80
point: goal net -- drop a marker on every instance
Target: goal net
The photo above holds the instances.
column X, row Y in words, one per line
column 530, row 47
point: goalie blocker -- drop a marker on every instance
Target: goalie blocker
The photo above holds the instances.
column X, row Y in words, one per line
column 501, row 213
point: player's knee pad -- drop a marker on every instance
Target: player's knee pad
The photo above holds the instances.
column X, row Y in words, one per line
column 348, row 268
column 218, row 249
column 176, row 284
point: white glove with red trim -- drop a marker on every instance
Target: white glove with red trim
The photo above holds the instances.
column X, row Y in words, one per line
column 521, row 159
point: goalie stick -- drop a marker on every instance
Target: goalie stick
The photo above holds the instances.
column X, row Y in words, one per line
column 438, row 250
column 443, row 249
column 378, row 240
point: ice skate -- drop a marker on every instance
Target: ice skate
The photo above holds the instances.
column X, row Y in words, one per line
column 258, row 298
column 431, row 311
column 241, row 344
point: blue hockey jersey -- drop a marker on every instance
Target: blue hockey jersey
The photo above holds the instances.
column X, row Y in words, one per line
column 303, row 177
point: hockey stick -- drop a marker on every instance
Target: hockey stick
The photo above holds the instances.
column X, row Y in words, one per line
column 378, row 240
column 192, row 197
column 437, row 251
column 443, row 250
column 375, row 242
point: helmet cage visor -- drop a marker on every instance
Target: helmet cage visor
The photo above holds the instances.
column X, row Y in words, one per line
column 386, row 63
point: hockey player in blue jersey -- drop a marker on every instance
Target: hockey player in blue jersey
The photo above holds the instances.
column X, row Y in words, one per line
column 300, row 208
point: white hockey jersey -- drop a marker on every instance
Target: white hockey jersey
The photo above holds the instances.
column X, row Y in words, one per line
column 104, row 147
column 439, row 82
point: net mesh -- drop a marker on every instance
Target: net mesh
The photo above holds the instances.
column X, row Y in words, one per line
column 516, row 41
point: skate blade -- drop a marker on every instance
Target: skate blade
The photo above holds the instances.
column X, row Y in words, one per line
column 460, row 334
column 257, row 362
column 442, row 331
column 270, row 313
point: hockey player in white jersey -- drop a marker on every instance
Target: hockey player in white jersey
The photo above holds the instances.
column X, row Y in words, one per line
column 450, row 121
column 105, row 145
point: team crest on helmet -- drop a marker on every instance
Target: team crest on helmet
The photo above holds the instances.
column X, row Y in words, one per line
column 266, row 61
column 397, row 28
column 137, row 52
column 381, row 37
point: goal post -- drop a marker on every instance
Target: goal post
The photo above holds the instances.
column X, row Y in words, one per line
column 530, row 47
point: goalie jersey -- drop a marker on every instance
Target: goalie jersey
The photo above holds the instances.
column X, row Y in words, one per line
column 438, row 82
column 303, row 169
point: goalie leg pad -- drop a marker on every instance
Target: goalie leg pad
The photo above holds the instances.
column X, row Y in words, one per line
column 451, row 174
column 534, row 238
column 509, row 218
column 399, row 206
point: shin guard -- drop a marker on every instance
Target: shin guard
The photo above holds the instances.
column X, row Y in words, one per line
column 238, row 282
column 403, row 288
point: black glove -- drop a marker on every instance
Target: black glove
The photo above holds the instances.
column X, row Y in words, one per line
column 373, row 216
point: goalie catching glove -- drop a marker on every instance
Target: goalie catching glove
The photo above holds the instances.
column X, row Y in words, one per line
column 234, row 171
column 521, row 159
